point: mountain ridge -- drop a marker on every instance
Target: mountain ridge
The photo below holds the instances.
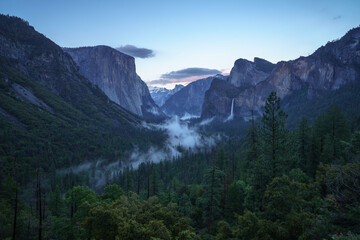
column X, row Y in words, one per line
column 329, row 67
column 189, row 100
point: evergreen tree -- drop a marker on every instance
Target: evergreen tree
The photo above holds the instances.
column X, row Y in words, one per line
column 336, row 129
column 252, row 144
column 141, row 179
column 273, row 135
column 221, row 159
column 185, row 205
column 154, row 185
column 235, row 199
column 112, row 192
column 272, row 158
column 303, row 142
column 128, row 180
column 213, row 186
column 56, row 204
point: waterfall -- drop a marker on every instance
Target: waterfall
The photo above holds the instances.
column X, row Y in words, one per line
column 231, row 116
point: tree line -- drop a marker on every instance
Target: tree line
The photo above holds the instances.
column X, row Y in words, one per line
column 275, row 183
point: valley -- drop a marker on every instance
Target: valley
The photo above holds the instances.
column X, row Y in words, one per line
column 89, row 151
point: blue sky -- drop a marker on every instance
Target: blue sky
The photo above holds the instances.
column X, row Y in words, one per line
column 192, row 34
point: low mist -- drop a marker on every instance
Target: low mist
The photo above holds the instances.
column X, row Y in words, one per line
column 181, row 137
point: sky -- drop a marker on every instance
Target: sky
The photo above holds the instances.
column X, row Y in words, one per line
column 180, row 41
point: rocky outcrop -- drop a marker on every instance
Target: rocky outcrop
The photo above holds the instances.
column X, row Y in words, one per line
column 161, row 95
column 246, row 73
column 331, row 66
column 115, row 74
column 189, row 100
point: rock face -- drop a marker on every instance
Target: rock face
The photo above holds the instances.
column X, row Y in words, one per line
column 189, row 100
column 246, row 73
column 161, row 95
column 114, row 73
column 331, row 66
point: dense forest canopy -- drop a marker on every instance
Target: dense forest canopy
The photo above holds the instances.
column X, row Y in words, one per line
column 274, row 184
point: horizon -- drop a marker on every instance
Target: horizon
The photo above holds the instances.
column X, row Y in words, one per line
column 180, row 42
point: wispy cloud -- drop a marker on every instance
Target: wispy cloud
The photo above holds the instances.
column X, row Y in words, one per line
column 338, row 17
column 184, row 81
column 185, row 76
column 160, row 81
column 189, row 72
column 136, row 51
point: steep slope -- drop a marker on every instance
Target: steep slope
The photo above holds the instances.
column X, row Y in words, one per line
column 161, row 95
column 114, row 73
column 50, row 115
column 189, row 100
column 330, row 67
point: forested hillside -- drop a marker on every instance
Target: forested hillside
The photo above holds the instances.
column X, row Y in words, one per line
column 273, row 184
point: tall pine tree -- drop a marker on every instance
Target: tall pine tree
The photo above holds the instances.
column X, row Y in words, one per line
column 273, row 134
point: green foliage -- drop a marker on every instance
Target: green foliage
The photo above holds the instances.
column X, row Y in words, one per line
column 56, row 203
column 303, row 142
column 211, row 198
column 186, row 235
column 112, row 192
column 235, row 199
column 347, row 236
column 273, row 134
column 130, row 218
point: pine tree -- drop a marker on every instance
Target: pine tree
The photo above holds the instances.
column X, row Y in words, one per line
column 141, row 173
column 271, row 146
column 213, row 186
column 273, row 134
column 154, row 182
column 221, row 159
column 303, row 142
column 56, row 204
column 252, row 147
column 128, row 180
column 336, row 129
column 329, row 130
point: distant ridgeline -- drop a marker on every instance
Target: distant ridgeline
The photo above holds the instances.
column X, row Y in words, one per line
column 188, row 101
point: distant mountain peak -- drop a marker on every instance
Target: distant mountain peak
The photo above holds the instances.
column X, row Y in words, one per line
column 161, row 95
column 188, row 101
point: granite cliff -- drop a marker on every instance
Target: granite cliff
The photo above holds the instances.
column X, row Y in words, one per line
column 247, row 73
column 250, row 83
column 115, row 74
